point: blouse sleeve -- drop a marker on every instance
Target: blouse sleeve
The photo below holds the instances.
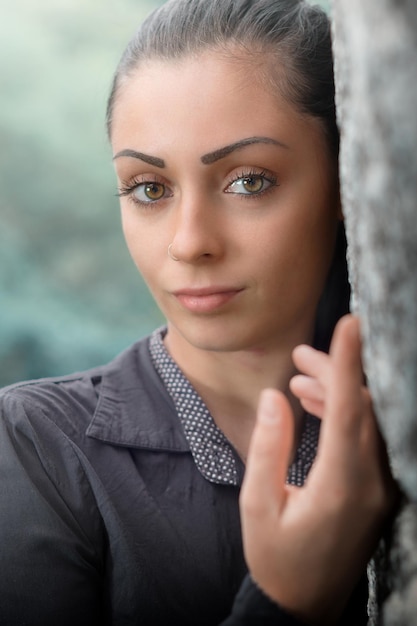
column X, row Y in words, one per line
column 253, row 608
column 49, row 536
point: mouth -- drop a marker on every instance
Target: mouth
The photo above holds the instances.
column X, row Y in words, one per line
column 206, row 300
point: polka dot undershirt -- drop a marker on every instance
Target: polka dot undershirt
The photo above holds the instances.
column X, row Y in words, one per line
column 212, row 452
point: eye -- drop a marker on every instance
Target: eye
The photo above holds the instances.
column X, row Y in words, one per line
column 251, row 184
column 149, row 192
column 144, row 192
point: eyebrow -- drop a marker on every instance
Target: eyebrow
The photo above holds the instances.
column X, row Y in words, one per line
column 212, row 157
column 147, row 158
column 206, row 159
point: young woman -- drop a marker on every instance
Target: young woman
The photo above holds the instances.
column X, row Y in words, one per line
column 120, row 485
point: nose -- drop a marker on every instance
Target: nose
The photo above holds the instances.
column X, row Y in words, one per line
column 198, row 231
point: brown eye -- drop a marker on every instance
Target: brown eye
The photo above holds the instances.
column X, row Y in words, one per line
column 153, row 191
column 146, row 193
column 253, row 184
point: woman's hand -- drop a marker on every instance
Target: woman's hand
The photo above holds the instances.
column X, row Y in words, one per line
column 307, row 547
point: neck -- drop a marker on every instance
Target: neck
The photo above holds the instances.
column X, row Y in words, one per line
column 230, row 382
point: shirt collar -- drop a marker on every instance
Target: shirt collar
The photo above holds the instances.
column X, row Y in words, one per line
column 133, row 408
column 212, row 452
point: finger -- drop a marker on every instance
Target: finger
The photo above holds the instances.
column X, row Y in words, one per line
column 307, row 388
column 344, row 406
column 345, row 392
column 269, row 454
column 310, row 393
column 314, row 408
column 371, row 437
column 346, row 344
column 310, row 361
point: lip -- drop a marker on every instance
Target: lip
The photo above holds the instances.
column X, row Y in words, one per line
column 207, row 299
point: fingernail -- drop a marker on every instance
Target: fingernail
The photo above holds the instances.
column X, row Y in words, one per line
column 267, row 408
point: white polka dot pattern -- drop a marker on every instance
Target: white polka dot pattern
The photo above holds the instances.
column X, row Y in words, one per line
column 212, row 452
column 210, row 449
column 306, row 451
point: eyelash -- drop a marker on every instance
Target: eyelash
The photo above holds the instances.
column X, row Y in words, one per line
column 127, row 188
column 265, row 175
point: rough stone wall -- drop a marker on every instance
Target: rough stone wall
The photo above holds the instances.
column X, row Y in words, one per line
column 375, row 45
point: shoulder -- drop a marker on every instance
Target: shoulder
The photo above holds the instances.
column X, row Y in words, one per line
column 71, row 399
column 123, row 403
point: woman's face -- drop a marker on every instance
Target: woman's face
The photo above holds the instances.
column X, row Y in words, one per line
column 243, row 187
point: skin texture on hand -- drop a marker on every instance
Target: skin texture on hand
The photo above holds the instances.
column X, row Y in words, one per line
column 307, row 547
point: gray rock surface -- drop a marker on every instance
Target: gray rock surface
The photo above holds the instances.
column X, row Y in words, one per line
column 375, row 45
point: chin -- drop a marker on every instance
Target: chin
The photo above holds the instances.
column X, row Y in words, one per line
column 219, row 337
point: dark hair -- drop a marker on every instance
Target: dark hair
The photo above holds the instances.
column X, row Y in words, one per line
column 292, row 37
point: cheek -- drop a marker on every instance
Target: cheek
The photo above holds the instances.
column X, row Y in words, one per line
column 142, row 244
column 316, row 253
column 300, row 253
column 130, row 234
column 306, row 234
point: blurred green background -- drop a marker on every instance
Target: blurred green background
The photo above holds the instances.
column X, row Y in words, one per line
column 70, row 296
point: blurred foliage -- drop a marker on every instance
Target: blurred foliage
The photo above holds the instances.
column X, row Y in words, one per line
column 70, row 296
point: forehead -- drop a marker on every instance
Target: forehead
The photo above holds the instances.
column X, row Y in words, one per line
column 209, row 99
column 207, row 77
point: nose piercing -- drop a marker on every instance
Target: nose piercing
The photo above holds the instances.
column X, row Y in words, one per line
column 172, row 256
